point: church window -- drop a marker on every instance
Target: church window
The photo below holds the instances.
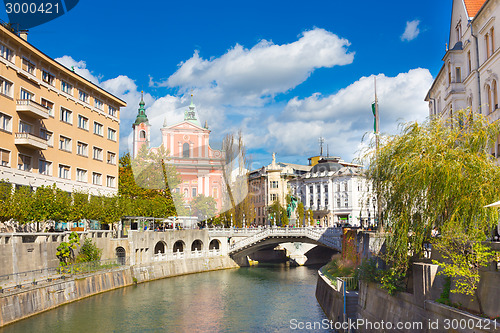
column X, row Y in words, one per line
column 185, row 150
column 142, row 135
column 495, row 95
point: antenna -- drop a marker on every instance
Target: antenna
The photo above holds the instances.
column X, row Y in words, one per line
column 321, row 141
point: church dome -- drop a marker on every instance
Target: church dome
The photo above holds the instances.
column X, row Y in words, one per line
column 326, row 166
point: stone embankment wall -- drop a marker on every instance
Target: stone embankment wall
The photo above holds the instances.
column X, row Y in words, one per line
column 25, row 303
column 417, row 311
column 330, row 300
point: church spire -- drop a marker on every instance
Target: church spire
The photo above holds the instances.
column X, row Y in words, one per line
column 141, row 114
column 190, row 114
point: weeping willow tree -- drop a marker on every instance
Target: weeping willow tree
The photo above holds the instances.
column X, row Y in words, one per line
column 438, row 173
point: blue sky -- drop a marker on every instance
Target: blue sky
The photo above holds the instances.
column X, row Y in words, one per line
column 284, row 72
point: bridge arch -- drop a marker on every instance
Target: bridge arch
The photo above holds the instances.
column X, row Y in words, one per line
column 178, row 246
column 160, row 247
column 197, row 245
column 214, row 244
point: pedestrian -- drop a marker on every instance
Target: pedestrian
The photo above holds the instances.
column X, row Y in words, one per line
column 435, row 232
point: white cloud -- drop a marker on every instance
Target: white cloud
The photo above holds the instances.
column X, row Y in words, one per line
column 411, row 30
column 342, row 118
column 252, row 77
column 80, row 68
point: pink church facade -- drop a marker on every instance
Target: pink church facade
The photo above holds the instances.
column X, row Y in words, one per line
column 188, row 146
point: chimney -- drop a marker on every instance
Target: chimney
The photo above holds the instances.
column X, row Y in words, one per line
column 23, row 34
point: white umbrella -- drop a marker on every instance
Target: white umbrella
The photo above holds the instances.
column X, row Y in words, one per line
column 495, row 204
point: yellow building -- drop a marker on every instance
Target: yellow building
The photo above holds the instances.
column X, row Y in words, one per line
column 55, row 126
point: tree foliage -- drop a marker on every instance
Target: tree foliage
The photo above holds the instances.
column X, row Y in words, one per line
column 438, row 173
column 89, row 252
column 66, row 250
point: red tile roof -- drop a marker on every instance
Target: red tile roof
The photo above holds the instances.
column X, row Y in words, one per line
column 473, row 6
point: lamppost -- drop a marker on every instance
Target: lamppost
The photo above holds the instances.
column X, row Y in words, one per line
column 243, row 220
column 231, row 220
column 274, row 220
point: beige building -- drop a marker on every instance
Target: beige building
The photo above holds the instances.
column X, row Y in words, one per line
column 471, row 64
column 271, row 183
column 55, row 126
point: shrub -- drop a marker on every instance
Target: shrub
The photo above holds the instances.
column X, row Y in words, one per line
column 89, row 252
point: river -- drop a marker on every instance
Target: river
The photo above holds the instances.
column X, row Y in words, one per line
column 265, row 298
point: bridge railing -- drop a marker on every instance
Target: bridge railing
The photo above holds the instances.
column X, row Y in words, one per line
column 327, row 236
column 185, row 255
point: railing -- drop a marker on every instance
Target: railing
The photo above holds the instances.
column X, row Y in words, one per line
column 327, row 236
column 30, row 136
column 16, row 281
column 184, row 255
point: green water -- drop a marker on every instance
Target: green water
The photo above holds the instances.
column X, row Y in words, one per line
column 253, row 299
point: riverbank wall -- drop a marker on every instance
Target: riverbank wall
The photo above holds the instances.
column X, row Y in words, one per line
column 378, row 311
column 21, row 304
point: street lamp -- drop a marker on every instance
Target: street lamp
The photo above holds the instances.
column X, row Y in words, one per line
column 231, row 220
column 243, row 220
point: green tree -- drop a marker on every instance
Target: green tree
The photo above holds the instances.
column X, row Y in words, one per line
column 438, row 173
column 203, row 206
column 66, row 250
column 89, row 252
column 463, row 257
column 300, row 213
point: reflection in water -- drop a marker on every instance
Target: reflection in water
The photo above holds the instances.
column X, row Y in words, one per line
column 253, row 299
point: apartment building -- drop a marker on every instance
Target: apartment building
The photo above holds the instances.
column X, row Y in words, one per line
column 471, row 64
column 55, row 126
column 271, row 183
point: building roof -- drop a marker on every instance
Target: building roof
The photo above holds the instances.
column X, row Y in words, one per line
column 473, row 6
column 297, row 166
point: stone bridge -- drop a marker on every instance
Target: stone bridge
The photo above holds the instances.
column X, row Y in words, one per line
column 248, row 241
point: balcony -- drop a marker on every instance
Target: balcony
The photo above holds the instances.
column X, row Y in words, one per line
column 31, row 141
column 32, row 108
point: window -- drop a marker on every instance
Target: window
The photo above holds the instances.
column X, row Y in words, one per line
column 26, row 95
column 47, row 135
column 214, row 192
column 5, row 122
column 81, row 175
column 64, row 171
column 142, row 135
column 111, row 158
column 4, row 157
column 65, row 143
column 488, row 94
column 82, row 149
column 495, row 94
column 98, row 104
column 458, row 30
column 44, row 167
column 458, row 75
column 111, row 111
column 111, row 134
column 492, row 38
column 24, row 163
column 338, row 201
column 5, row 87
column 469, row 62
column 98, row 128
column 185, row 150
column 48, row 105
column 193, row 190
column 449, row 73
column 96, row 178
column 274, row 184
column 487, row 42
column 346, row 201
column 48, row 78
column 83, row 96
column 110, row 181
column 326, row 195
column 97, row 153
column 66, row 87
column 6, row 53
column 346, row 186
column 24, row 127
column 274, row 197
column 66, row 115
column 83, row 122
column 28, row 66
